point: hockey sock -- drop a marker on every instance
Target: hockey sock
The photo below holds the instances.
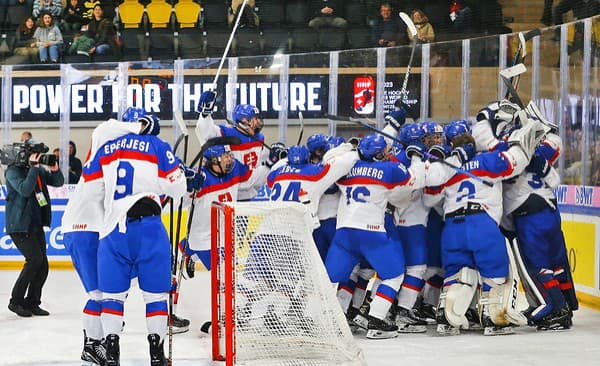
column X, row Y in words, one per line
column 112, row 315
column 359, row 292
column 411, row 287
column 432, row 289
column 552, row 293
column 91, row 319
column 156, row 313
column 345, row 290
column 383, row 299
column 565, row 282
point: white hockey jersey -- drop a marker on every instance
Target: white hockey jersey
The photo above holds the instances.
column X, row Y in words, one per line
column 251, row 151
column 130, row 168
column 85, row 209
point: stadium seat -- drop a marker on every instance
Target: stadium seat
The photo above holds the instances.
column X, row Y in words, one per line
column 190, row 45
column 296, row 13
column 355, row 11
column 159, row 14
column 214, row 13
column 247, row 42
column 275, row 40
column 271, row 13
column 187, row 14
column 15, row 15
column 303, row 39
column 131, row 14
column 161, row 45
column 216, row 40
column 359, row 37
column 358, row 33
column 332, row 39
column 135, row 44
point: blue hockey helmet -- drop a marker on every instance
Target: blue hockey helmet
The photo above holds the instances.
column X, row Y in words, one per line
column 411, row 133
column 317, row 141
column 132, row 114
column 219, row 159
column 244, row 113
column 434, row 133
column 150, row 125
column 455, row 128
column 335, row 141
column 373, row 147
column 298, row 155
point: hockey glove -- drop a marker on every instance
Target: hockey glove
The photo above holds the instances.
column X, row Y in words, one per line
column 416, row 148
column 196, row 183
column 440, row 151
column 501, row 146
column 538, row 165
column 278, row 151
column 206, row 104
column 464, row 153
column 150, row 125
column 354, row 141
column 396, row 118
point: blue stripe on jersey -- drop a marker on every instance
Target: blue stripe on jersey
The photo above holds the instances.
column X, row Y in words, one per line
column 307, row 172
column 212, row 183
column 247, row 142
column 385, row 173
column 548, row 152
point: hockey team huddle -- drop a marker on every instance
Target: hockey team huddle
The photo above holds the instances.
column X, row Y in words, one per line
column 438, row 221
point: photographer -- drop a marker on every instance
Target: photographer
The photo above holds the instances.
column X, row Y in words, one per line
column 27, row 212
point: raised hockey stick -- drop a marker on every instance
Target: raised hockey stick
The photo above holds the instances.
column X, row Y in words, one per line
column 506, row 75
column 219, row 140
column 301, row 117
column 519, row 59
column 427, row 155
column 242, row 131
column 413, row 31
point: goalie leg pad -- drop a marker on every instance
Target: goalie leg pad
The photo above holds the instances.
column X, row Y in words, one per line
column 459, row 296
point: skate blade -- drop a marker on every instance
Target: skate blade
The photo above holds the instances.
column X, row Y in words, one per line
column 553, row 328
column 474, row 326
column 409, row 328
column 447, row 330
column 494, row 331
column 381, row 334
column 361, row 322
column 179, row 330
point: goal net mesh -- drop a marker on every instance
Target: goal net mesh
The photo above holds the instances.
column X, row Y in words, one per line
column 285, row 308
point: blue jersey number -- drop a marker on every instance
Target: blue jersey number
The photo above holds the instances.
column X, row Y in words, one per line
column 469, row 188
column 124, row 180
column 357, row 194
column 292, row 192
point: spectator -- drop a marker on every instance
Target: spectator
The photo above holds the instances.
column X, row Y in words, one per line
column 461, row 16
column 26, row 135
column 82, row 44
column 249, row 17
column 103, row 32
column 425, row 33
column 388, row 30
column 25, row 46
column 581, row 9
column 326, row 13
column 48, row 39
column 53, row 7
column 547, row 14
column 72, row 17
column 56, row 153
column 75, row 166
column 27, row 212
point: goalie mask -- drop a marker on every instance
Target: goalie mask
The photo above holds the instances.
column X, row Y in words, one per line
column 247, row 117
column 502, row 116
column 219, row 160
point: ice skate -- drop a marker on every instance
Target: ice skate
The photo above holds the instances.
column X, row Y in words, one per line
column 408, row 322
column 93, row 352
column 157, row 354
column 558, row 320
column 112, row 350
column 380, row 329
column 180, row 325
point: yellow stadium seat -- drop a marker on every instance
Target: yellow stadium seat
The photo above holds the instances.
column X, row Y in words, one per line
column 187, row 13
column 159, row 13
column 131, row 13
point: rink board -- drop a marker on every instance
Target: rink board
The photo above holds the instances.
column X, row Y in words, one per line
column 580, row 211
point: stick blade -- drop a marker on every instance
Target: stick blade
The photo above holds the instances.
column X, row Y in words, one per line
column 513, row 71
column 178, row 117
column 409, row 23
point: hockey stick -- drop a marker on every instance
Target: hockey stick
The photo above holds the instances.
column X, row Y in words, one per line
column 301, row 117
column 518, row 59
column 505, row 76
column 219, row 140
column 243, row 132
column 427, row 155
column 413, row 31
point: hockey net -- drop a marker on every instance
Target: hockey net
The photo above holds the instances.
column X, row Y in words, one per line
column 272, row 301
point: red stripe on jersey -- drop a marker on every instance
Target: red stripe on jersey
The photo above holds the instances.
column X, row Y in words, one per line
column 93, row 176
column 291, row 176
column 156, row 313
column 371, row 181
column 124, row 154
column 245, row 146
column 164, row 174
column 113, row 312
column 565, row 286
column 91, row 312
column 225, row 185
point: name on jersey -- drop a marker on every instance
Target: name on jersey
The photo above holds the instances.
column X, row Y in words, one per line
column 289, row 169
column 471, row 165
column 127, row 143
column 364, row 171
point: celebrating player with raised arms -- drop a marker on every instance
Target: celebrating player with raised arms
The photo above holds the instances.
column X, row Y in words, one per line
column 247, row 126
column 81, row 223
column 134, row 171
column 472, row 244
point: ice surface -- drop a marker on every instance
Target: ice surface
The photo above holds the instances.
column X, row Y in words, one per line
column 57, row 339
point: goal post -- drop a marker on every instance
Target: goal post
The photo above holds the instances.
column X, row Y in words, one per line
column 272, row 301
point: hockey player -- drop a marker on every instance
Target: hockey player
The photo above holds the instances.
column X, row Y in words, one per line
column 134, row 171
column 360, row 233
column 81, row 223
column 472, row 244
column 247, row 126
column 530, row 205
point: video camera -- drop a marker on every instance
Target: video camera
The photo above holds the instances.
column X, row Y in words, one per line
column 18, row 153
